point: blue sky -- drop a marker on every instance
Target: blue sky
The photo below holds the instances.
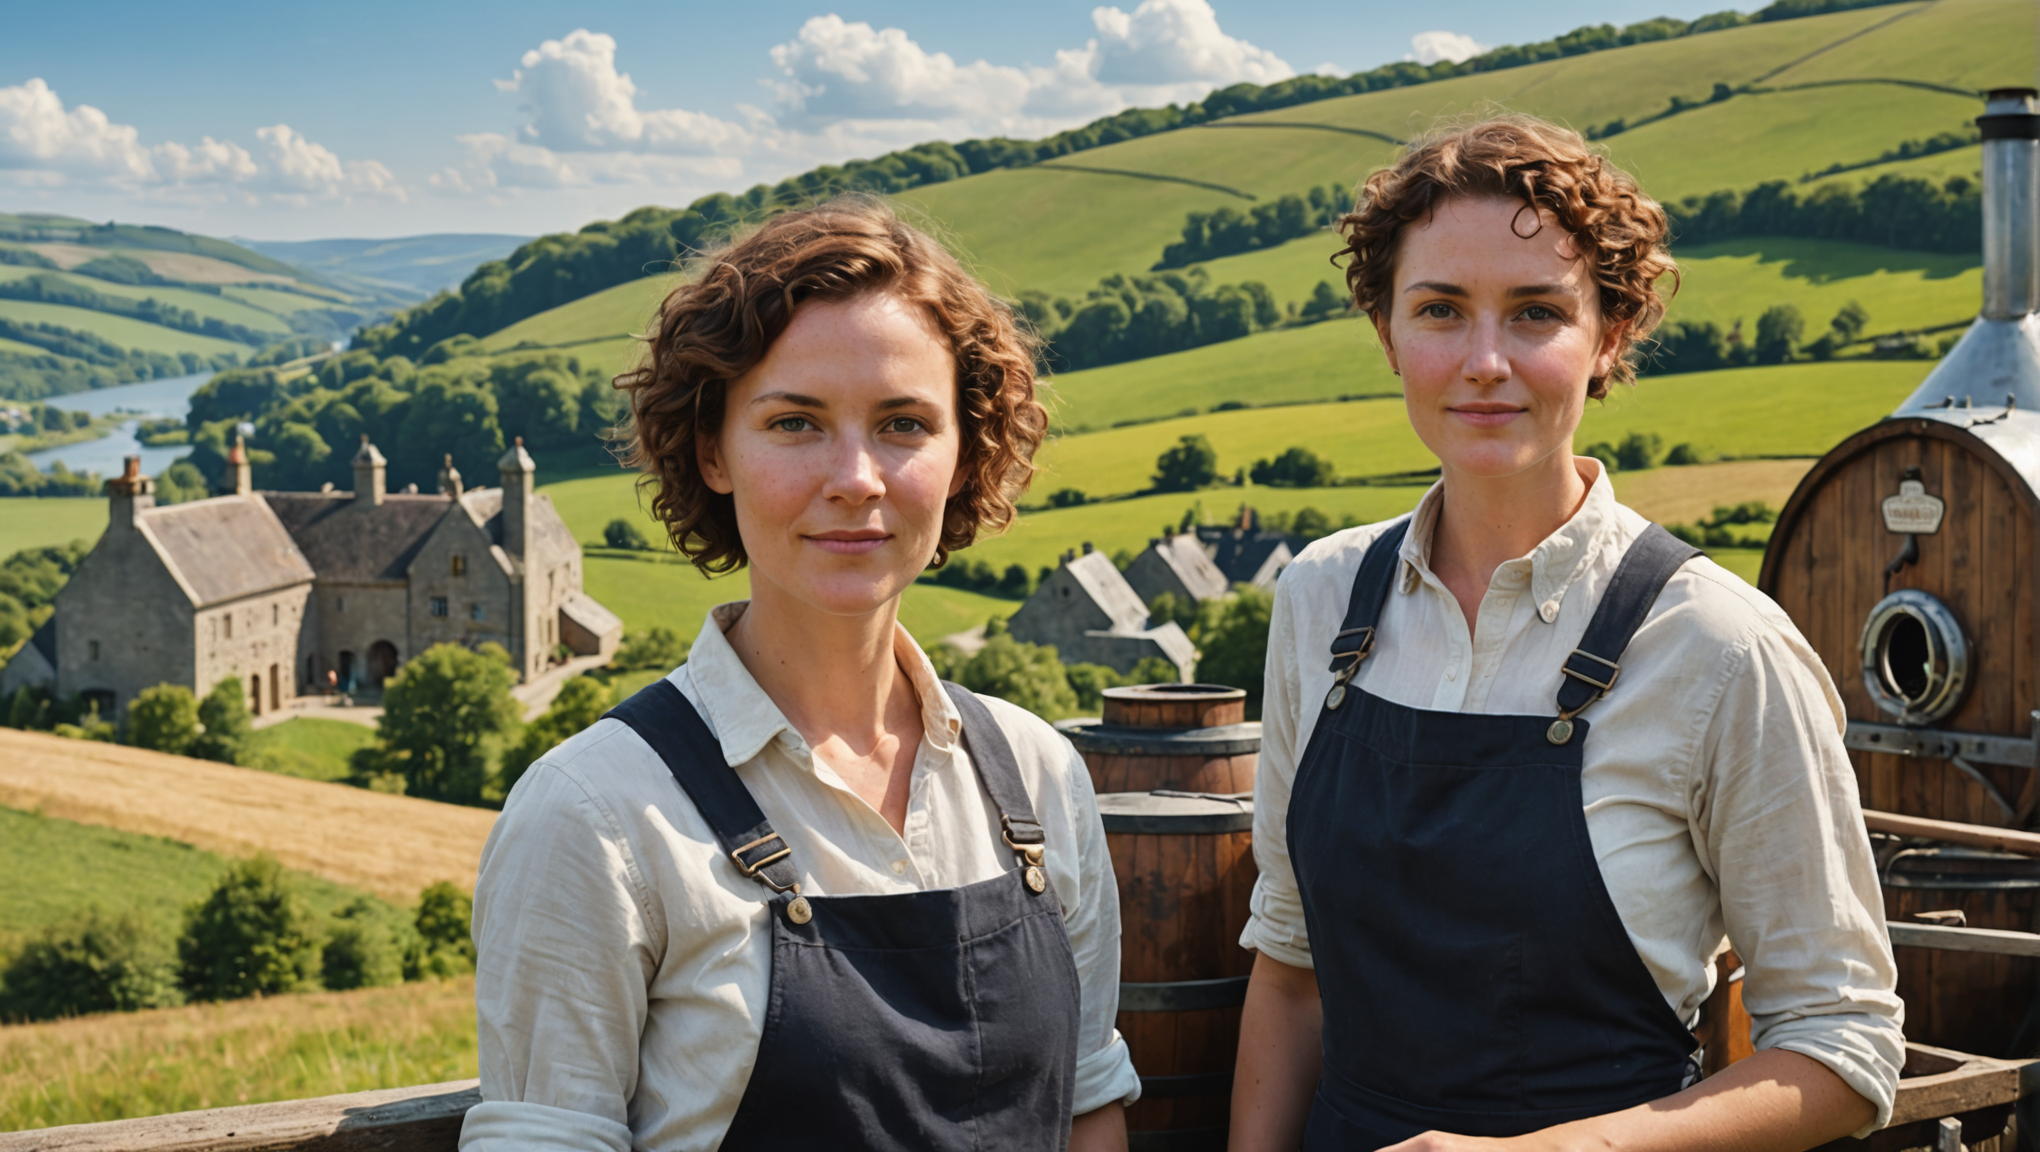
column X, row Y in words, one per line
column 282, row 121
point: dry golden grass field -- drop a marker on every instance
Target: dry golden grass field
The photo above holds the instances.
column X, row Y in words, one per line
column 112, row 1067
column 390, row 845
column 1689, row 495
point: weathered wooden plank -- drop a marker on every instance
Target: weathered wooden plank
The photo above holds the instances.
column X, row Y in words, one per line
column 1993, row 940
column 426, row 1118
column 1953, row 832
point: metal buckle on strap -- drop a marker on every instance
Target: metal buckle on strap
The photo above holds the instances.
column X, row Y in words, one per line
column 1354, row 657
column 1601, row 688
column 751, row 869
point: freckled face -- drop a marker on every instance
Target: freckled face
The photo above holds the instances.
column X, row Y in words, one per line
column 840, row 450
column 1496, row 336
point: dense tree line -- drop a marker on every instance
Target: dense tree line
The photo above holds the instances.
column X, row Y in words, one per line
column 1228, row 231
column 1134, row 317
column 308, row 429
column 18, row 477
column 29, row 581
column 556, row 269
column 79, row 362
column 53, row 289
column 1893, row 211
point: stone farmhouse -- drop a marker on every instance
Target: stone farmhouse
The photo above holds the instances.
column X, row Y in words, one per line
column 291, row 591
column 1091, row 615
column 1245, row 552
column 1176, row 565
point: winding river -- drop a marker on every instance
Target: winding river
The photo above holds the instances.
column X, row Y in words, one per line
column 152, row 399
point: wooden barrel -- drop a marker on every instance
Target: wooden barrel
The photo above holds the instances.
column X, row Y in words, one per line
column 1970, row 1001
column 1174, row 768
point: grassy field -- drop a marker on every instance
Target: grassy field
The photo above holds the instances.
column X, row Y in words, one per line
column 118, row 329
column 205, row 304
column 613, row 312
column 29, row 523
column 389, row 845
column 57, row 868
column 240, row 1052
column 309, row 748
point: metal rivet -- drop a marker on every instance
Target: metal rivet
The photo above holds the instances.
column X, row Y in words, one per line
column 1037, row 879
column 799, row 910
column 1336, row 696
column 1559, row 732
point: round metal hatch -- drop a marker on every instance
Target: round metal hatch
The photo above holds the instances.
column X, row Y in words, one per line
column 1916, row 662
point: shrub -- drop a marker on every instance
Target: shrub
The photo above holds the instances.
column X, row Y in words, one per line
column 947, row 659
column 1638, row 450
column 1191, row 464
column 656, row 647
column 163, row 719
column 1604, row 452
column 1849, row 323
column 581, row 702
column 1153, row 670
column 1029, row 675
column 361, row 949
column 251, row 936
column 1681, row 455
column 1089, row 682
column 1169, row 606
column 438, row 712
column 445, row 934
column 1067, row 498
column 1294, row 468
column 1014, row 583
column 1233, row 642
column 223, row 716
column 1325, row 301
column 1779, row 331
column 93, row 963
column 621, row 533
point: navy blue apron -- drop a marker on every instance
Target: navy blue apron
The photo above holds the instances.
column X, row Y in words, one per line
column 944, row 1019
column 1475, row 976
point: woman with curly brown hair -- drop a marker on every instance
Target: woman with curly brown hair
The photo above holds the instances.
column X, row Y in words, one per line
column 877, row 910
column 1527, row 761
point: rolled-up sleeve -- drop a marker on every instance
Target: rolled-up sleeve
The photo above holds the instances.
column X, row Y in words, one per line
column 1104, row 1066
column 1275, row 925
column 558, row 1036
column 1776, row 806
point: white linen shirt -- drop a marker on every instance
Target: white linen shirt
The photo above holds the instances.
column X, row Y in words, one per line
column 623, row 962
column 1719, row 798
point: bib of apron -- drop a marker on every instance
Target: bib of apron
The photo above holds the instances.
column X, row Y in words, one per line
column 1475, row 976
column 942, row 1019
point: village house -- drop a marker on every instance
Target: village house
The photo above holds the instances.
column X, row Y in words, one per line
column 1179, row 566
column 1245, row 552
column 1088, row 612
column 291, row 591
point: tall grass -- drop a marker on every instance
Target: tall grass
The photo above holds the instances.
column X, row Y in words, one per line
column 113, row 1067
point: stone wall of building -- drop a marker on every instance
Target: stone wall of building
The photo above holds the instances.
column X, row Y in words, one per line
column 123, row 623
column 352, row 619
column 460, row 592
column 258, row 638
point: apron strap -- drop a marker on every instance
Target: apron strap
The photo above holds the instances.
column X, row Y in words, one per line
column 663, row 718
column 1591, row 669
column 993, row 756
column 1370, row 591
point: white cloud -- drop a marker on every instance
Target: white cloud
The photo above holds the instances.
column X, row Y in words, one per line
column 836, row 70
column 1431, row 47
column 1176, row 42
column 44, row 144
column 579, row 102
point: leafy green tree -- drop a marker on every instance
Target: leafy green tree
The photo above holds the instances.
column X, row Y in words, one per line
column 181, row 483
column 362, row 949
column 1233, row 642
column 1325, row 301
column 1779, row 331
column 1025, row 674
column 225, row 723
column 1682, row 454
column 581, row 702
column 93, row 963
column 252, row 936
column 1311, row 523
column 1604, row 452
column 439, row 711
column 1088, row 682
column 621, row 533
column 1849, row 323
column 1153, row 670
column 1067, row 498
column 163, row 719
column 1294, row 468
column 1014, row 583
column 445, row 932
column 1168, row 606
column 1638, row 450
column 1190, row 465
column 656, row 647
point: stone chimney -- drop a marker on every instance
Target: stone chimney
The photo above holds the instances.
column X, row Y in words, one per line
column 369, row 471
column 237, row 458
column 130, row 494
column 449, row 478
column 517, row 470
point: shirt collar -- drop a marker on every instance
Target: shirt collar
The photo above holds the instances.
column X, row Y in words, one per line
column 1553, row 565
column 745, row 719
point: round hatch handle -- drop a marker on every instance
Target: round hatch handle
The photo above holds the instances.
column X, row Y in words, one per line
column 1916, row 661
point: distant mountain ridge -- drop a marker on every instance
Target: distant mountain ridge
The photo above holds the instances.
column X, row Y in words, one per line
column 416, row 266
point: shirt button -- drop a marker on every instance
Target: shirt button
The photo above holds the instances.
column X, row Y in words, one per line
column 1549, row 612
column 899, row 867
column 1452, row 673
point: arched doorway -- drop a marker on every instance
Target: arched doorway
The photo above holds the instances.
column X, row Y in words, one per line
column 382, row 662
column 255, row 692
column 347, row 671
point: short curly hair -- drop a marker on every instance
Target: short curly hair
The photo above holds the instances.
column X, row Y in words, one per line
column 1620, row 232
column 737, row 301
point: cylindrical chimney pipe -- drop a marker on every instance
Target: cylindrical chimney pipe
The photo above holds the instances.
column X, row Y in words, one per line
column 2011, row 196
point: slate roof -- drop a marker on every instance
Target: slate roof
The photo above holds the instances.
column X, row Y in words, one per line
column 1185, row 557
column 345, row 541
column 1110, row 591
column 1242, row 556
column 44, row 640
column 226, row 547
column 585, row 611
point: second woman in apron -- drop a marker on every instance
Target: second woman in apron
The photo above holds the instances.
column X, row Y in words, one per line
column 800, row 894
column 1527, row 760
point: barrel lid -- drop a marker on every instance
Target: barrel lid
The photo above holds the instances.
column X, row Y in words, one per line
column 1176, row 813
column 1091, row 734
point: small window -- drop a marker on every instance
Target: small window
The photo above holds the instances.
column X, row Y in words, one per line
column 457, row 564
column 92, row 649
column 227, row 624
column 275, row 618
column 438, row 606
column 339, row 603
column 477, row 612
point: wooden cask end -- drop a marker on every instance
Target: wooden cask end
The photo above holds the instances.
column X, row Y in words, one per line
column 1174, row 768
